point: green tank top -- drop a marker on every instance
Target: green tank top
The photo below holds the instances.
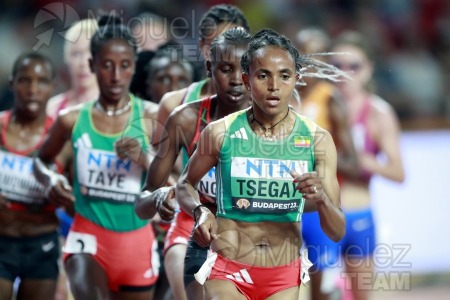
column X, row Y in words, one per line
column 203, row 119
column 253, row 180
column 105, row 186
column 194, row 91
column 206, row 185
column 192, row 94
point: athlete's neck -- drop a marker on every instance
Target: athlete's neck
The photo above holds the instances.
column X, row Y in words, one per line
column 82, row 95
column 26, row 122
column 207, row 89
column 355, row 102
column 112, row 106
column 272, row 128
column 354, row 96
column 223, row 110
column 266, row 120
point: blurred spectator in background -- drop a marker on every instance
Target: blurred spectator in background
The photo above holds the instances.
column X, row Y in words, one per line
column 138, row 86
column 167, row 71
column 322, row 102
column 375, row 130
column 83, row 87
column 15, row 31
column 417, row 78
column 150, row 31
column 386, row 22
column 171, row 56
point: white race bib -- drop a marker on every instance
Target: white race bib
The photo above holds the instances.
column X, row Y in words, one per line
column 102, row 174
column 17, row 181
column 77, row 242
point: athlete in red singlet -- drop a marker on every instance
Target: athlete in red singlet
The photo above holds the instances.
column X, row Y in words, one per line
column 29, row 246
column 183, row 130
column 215, row 21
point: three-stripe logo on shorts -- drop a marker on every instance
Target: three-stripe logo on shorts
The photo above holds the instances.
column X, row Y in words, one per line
column 241, row 276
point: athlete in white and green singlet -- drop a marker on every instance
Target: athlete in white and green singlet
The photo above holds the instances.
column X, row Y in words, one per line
column 270, row 164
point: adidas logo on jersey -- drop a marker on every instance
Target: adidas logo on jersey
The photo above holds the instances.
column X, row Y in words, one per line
column 240, row 134
column 84, row 140
column 241, row 276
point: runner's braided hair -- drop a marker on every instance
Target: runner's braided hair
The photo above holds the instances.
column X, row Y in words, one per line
column 219, row 14
column 305, row 64
column 111, row 27
column 236, row 36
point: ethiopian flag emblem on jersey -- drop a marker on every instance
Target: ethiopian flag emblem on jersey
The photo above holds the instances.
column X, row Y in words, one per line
column 302, row 141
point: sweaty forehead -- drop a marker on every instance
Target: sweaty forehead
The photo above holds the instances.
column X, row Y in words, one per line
column 272, row 57
column 35, row 65
column 116, row 47
column 228, row 53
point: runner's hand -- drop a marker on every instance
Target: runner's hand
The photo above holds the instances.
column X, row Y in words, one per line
column 309, row 184
column 130, row 148
column 205, row 230
column 60, row 192
column 166, row 204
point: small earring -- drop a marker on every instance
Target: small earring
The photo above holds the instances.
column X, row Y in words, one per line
column 208, row 74
column 247, row 88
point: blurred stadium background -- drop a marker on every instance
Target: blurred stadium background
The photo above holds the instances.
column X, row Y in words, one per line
column 411, row 40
